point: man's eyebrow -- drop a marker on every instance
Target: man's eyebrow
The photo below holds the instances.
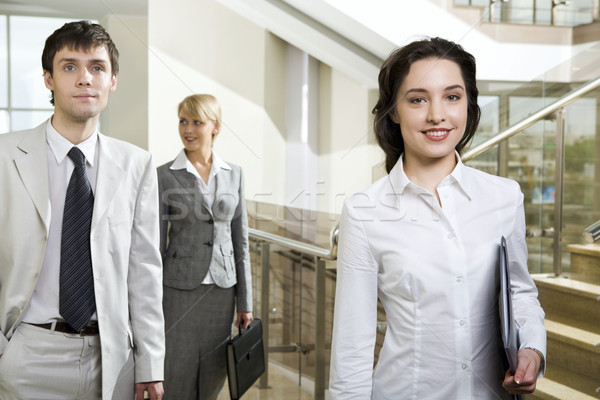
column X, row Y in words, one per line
column 420, row 90
column 92, row 61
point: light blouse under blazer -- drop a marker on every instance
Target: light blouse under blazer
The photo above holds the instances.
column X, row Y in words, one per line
column 435, row 270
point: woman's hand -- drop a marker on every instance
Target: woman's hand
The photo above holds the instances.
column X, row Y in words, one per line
column 525, row 377
column 245, row 318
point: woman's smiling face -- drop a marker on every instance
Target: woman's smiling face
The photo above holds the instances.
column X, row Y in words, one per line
column 195, row 135
column 431, row 109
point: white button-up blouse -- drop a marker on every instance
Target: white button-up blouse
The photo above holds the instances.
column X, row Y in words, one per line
column 435, row 270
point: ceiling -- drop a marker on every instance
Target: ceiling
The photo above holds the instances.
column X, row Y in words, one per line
column 86, row 9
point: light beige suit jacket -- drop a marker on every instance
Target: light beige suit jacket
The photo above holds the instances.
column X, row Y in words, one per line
column 124, row 245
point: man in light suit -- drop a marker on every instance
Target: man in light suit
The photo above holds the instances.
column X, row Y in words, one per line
column 120, row 351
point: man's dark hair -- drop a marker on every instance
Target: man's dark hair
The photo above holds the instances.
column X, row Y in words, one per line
column 392, row 74
column 79, row 35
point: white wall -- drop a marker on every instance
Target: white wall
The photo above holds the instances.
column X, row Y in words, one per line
column 202, row 47
column 126, row 116
column 245, row 67
column 302, row 129
column 346, row 141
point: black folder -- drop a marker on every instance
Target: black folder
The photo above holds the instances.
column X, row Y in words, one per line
column 510, row 337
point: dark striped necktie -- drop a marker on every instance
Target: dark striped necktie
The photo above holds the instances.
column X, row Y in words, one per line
column 77, row 302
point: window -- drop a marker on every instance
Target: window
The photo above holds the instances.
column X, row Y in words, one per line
column 24, row 100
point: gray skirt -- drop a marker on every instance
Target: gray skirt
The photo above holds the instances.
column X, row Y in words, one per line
column 198, row 324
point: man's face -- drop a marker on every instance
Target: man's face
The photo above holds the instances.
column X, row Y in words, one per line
column 81, row 82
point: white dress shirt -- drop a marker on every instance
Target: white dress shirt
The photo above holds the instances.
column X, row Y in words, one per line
column 208, row 189
column 44, row 306
column 435, row 270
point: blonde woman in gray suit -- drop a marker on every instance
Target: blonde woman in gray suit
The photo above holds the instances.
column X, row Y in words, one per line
column 204, row 246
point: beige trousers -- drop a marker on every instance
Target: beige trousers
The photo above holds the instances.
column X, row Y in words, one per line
column 40, row 364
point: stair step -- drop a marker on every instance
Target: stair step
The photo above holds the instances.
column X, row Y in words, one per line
column 548, row 389
column 589, row 386
column 573, row 298
column 587, row 249
column 573, row 348
column 583, row 277
column 573, row 322
column 585, row 261
column 565, row 284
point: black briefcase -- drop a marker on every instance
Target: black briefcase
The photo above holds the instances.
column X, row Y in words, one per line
column 245, row 359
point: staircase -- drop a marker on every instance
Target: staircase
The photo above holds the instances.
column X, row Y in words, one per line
column 572, row 305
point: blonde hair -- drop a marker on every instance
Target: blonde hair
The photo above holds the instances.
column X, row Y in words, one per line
column 202, row 107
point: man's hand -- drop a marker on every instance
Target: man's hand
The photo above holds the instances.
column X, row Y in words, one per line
column 525, row 377
column 154, row 390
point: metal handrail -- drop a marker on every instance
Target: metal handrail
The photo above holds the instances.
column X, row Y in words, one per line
column 532, row 119
column 327, row 254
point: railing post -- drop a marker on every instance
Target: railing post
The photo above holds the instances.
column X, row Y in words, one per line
column 265, row 268
column 320, row 361
column 559, row 166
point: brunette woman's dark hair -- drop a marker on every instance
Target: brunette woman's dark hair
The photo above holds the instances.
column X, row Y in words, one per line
column 392, row 74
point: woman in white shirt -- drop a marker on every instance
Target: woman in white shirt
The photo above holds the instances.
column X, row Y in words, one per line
column 425, row 240
column 206, row 262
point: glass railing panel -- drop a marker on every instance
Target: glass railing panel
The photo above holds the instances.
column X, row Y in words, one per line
column 291, row 307
column 559, row 13
column 574, row 13
column 581, row 201
column 474, row 3
column 531, row 163
column 513, row 12
column 489, row 126
column 529, row 156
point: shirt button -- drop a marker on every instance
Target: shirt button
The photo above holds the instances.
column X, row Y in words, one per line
column 464, row 366
column 459, row 278
column 462, row 322
column 210, row 221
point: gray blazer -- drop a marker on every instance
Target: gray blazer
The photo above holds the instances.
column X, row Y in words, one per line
column 195, row 238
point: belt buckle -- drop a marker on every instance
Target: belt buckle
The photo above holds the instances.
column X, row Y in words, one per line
column 83, row 332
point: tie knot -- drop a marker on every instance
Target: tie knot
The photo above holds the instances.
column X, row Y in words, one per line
column 77, row 156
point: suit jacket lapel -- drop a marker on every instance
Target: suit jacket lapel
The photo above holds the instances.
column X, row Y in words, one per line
column 110, row 175
column 189, row 182
column 33, row 170
column 222, row 187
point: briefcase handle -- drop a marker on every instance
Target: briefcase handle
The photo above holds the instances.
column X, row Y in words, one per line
column 240, row 326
